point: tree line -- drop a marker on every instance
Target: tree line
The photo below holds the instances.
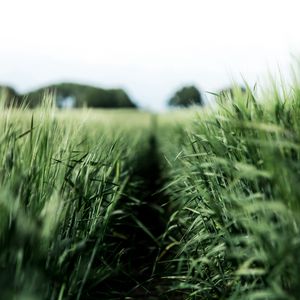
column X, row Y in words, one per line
column 70, row 95
column 75, row 95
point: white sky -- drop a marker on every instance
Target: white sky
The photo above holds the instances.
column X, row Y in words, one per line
column 150, row 48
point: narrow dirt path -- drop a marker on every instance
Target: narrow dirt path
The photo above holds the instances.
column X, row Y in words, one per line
column 142, row 229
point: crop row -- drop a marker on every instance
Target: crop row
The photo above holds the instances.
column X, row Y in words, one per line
column 234, row 191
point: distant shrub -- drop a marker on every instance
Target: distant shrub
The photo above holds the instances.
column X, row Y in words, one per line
column 8, row 95
column 186, row 96
column 231, row 91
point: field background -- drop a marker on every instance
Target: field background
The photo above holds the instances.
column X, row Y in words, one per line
column 123, row 204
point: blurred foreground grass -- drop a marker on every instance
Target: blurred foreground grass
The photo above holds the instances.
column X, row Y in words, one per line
column 62, row 175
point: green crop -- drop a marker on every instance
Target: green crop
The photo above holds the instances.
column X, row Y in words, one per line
column 189, row 204
column 61, row 177
column 234, row 232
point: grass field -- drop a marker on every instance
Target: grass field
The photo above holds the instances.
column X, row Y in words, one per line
column 192, row 204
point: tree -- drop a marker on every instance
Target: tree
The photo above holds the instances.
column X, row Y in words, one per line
column 186, row 96
column 79, row 95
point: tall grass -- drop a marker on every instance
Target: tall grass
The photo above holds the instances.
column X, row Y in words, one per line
column 60, row 182
column 234, row 187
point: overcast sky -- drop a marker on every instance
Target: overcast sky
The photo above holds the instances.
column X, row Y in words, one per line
column 148, row 47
